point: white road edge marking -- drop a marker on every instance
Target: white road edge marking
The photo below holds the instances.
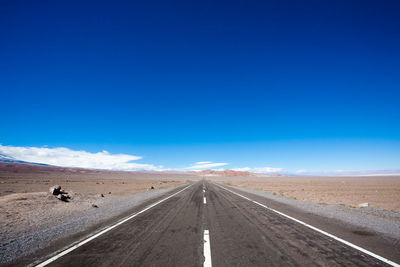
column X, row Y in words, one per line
column 59, row 255
column 319, row 230
column 207, row 249
column 204, row 200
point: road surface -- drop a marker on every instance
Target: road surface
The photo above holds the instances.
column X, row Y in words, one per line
column 205, row 224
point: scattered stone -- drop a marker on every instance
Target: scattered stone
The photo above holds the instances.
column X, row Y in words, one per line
column 59, row 193
column 62, row 191
column 101, row 195
column 363, row 205
column 152, row 187
column 94, row 206
column 64, row 198
column 55, row 190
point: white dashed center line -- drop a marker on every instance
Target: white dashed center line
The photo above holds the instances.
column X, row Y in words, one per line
column 204, row 200
column 207, row 249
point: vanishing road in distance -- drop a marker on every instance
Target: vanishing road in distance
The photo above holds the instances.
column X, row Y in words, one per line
column 207, row 224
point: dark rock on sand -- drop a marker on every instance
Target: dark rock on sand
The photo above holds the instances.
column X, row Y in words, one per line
column 59, row 193
column 63, row 197
column 55, row 190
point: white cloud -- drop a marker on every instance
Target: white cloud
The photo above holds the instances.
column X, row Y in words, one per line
column 259, row 169
column 205, row 165
column 244, row 169
column 64, row 157
column 203, row 162
column 300, row 171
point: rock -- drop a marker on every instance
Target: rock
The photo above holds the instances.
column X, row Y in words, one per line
column 62, row 191
column 55, row 190
column 59, row 193
column 109, row 193
column 152, row 187
column 94, row 206
column 64, row 198
column 363, row 205
column 101, row 195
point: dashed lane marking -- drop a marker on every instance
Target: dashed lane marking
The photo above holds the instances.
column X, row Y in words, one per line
column 207, row 249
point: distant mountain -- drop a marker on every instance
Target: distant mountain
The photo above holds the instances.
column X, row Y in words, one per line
column 5, row 158
column 226, row 173
column 7, row 164
column 368, row 173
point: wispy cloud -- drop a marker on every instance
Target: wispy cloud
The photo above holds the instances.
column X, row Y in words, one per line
column 244, row 169
column 203, row 162
column 65, row 157
column 259, row 169
column 201, row 165
column 348, row 173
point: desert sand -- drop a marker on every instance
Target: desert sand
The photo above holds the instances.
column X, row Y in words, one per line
column 25, row 199
column 380, row 192
column 25, row 178
column 31, row 217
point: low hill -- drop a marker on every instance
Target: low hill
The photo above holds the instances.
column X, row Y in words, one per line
column 226, row 173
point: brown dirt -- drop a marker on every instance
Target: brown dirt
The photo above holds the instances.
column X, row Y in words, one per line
column 25, row 197
column 83, row 184
column 25, row 178
column 381, row 192
column 27, row 207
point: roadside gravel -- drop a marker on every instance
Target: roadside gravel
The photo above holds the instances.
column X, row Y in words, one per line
column 32, row 221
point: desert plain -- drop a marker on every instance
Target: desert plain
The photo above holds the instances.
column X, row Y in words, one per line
column 25, row 178
column 31, row 217
column 380, row 192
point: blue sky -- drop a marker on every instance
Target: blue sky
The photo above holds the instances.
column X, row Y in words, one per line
column 311, row 85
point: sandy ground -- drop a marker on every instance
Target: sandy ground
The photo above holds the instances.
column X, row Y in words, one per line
column 25, row 199
column 380, row 192
column 90, row 184
column 31, row 217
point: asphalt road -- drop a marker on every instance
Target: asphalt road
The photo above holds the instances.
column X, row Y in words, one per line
column 241, row 233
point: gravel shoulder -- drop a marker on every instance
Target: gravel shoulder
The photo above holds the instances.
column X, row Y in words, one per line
column 380, row 221
column 32, row 221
